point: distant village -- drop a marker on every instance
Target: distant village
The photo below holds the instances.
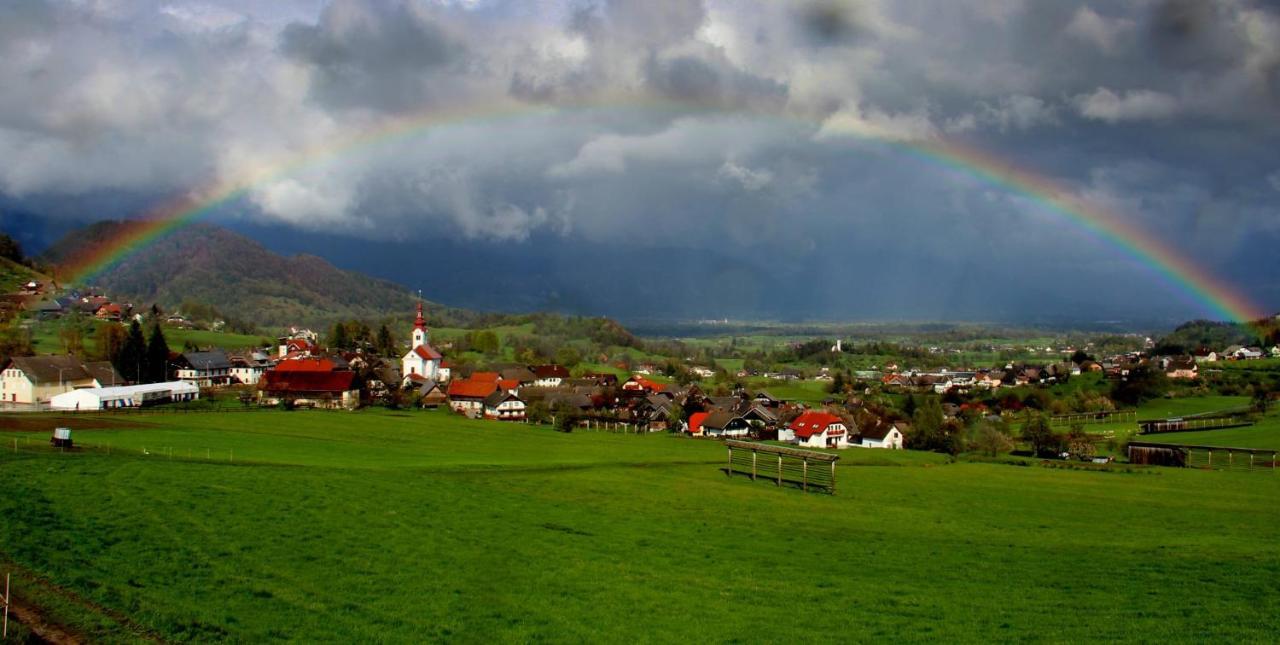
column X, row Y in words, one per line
column 299, row 372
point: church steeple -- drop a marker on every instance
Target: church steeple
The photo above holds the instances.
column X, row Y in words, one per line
column 419, row 329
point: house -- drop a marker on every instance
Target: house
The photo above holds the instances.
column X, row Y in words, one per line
column 1275, row 351
column 112, row 312
column 125, row 396
column 204, row 369
column 884, row 435
column 895, row 380
column 702, row 372
column 431, row 395
column 722, row 424
column 248, row 368
column 309, row 386
column 521, row 375
column 1205, row 355
column 639, row 385
column 422, row 360
column 816, row 429
column 503, row 405
column 33, row 380
column 1181, row 368
column 549, row 375
column 467, row 396
column 766, row 400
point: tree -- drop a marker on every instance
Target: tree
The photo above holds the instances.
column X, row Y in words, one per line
column 1038, row 432
column 926, row 426
column 109, row 342
column 1141, row 384
column 1080, row 356
column 338, row 336
column 10, row 249
column 990, row 439
column 568, row 356
column 157, row 356
column 837, row 383
column 1079, row 442
column 386, row 344
column 1261, row 398
column 130, row 360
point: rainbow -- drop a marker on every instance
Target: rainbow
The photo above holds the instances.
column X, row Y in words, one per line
column 1175, row 270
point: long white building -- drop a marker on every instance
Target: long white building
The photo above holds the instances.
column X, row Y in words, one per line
column 125, row 396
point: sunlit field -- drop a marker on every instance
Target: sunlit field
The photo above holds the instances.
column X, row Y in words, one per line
column 411, row 526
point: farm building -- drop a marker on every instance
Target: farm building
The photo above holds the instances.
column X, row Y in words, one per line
column 431, row 395
column 886, row 435
column 125, row 396
column 725, row 424
column 816, row 429
column 36, row 379
column 467, row 396
column 330, row 389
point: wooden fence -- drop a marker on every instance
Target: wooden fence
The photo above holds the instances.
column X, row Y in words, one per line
column 1212, row 457
column 1095, row 417
column 1189, row 424
column 780, row 464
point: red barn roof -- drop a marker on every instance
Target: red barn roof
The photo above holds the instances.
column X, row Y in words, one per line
column 695, row 422
column 471, row 389
column 491, row 377
column 813, row 422
column 288, row 382
column 305, row 365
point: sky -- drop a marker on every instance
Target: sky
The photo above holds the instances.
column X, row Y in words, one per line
column 673, row 159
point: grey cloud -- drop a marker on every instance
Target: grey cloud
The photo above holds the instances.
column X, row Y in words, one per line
column 379, row 55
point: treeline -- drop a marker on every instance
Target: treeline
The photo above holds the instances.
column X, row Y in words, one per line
column 138, row 358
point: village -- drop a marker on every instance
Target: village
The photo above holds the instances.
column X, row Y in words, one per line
column 870, row 408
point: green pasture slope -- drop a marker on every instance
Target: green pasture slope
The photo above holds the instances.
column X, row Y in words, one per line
column 379, row 526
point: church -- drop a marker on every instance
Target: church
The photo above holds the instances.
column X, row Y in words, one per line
column 422, row 363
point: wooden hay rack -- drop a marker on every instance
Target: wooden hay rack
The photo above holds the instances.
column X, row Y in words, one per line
column 806, row 468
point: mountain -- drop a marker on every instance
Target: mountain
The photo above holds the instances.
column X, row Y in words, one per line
column 238, row 276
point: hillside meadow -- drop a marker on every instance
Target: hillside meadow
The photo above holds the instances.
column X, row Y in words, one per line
column 412, row 526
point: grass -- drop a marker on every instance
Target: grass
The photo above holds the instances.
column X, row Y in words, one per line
column 376, row 526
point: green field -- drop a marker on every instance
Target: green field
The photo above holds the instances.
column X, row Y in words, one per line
column 380, row 526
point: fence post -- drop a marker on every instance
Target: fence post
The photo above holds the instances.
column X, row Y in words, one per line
column 833, row 478
column 729, row 471
column 753, row 465
column 804, row 475
column 779, row 470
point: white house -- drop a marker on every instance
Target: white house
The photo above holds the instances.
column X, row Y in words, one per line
column 37, row 379
column 504, row 406
column 549, row 375
column 816, row 429
column 725, row 424
column 248, row 368
column 205, row 369
column 884, row 436
column 125, row 396
column 422, row 363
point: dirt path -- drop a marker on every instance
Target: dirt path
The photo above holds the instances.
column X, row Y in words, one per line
column 46, row 631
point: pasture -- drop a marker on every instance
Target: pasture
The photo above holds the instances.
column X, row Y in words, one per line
column 411, row 526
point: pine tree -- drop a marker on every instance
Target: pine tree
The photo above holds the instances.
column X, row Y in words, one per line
column 157, row 358
column 386, row 344
column 130, row 360
column 338, row 337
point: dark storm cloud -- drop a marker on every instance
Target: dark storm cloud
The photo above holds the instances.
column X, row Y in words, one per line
column 737, row 133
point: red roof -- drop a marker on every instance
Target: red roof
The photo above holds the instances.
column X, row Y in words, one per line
column 305, row 365
column 491, row 377
column 308, row 382
column 509, row 384
column 813, row 422
column 642, row 383
column 550, row 371
column 471, row 389
column 427, row 352
column 695, row 422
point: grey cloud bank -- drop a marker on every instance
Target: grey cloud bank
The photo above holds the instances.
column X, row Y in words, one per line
column 690, row 136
